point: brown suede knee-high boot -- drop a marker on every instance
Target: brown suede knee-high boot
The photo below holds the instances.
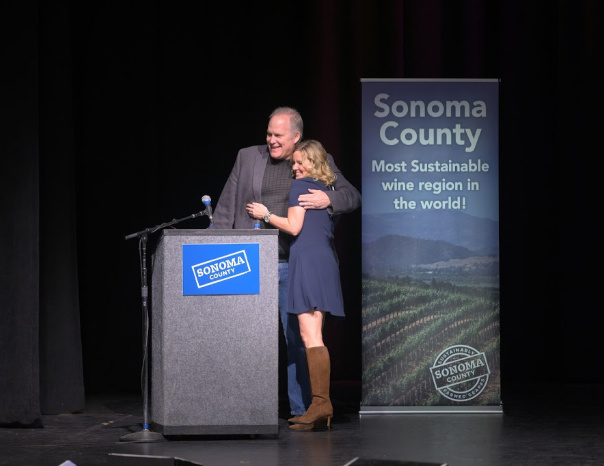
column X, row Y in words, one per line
column 320, row 409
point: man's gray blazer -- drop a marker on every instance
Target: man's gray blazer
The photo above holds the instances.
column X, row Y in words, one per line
column 244, row 185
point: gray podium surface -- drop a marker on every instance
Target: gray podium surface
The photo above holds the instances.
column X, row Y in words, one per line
column 214, row 359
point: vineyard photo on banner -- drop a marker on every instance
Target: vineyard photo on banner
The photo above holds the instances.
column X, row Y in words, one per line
column 430, row 246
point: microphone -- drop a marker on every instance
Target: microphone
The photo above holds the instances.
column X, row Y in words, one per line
column 208, row 203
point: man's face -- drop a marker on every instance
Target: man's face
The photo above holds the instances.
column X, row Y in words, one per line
column 279, row 137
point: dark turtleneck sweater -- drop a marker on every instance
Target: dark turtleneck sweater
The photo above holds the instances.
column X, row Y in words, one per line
column 276, row 184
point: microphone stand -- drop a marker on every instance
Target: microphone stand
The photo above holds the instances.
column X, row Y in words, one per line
column 146, row 436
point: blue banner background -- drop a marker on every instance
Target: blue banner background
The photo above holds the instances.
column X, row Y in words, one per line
column 430, row 243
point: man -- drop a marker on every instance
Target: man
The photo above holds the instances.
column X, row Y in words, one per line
column 263, row 174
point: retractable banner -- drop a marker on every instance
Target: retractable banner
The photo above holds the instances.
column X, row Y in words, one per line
column 430, row 232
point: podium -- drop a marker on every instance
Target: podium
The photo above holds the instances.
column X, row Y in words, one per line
column 214, row 357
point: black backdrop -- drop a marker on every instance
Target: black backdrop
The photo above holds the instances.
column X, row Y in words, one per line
column 120, row 115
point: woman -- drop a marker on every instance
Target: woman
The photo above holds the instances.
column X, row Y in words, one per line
column 314, row 277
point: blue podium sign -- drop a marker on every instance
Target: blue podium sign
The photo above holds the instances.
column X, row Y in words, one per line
column 219, row 269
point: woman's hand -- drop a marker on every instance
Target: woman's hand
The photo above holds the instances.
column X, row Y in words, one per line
column 256, row 210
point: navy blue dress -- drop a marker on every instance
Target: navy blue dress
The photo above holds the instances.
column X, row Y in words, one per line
column 314, row 275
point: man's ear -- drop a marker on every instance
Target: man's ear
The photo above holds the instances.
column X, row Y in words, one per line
column 297, row 137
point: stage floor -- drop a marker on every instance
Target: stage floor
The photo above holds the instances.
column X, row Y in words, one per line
column 542, row 425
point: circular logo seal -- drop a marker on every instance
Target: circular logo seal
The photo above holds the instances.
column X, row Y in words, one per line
column 460, row 373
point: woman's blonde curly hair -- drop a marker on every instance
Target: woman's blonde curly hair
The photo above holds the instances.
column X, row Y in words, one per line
column 314, row 158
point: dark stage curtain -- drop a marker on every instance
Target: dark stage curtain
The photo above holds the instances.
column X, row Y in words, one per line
column 19, row 213
column 40, row 336
column 61, row 366
column 117, row 116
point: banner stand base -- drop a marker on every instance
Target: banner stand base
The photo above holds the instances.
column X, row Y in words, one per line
column 431, row 410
